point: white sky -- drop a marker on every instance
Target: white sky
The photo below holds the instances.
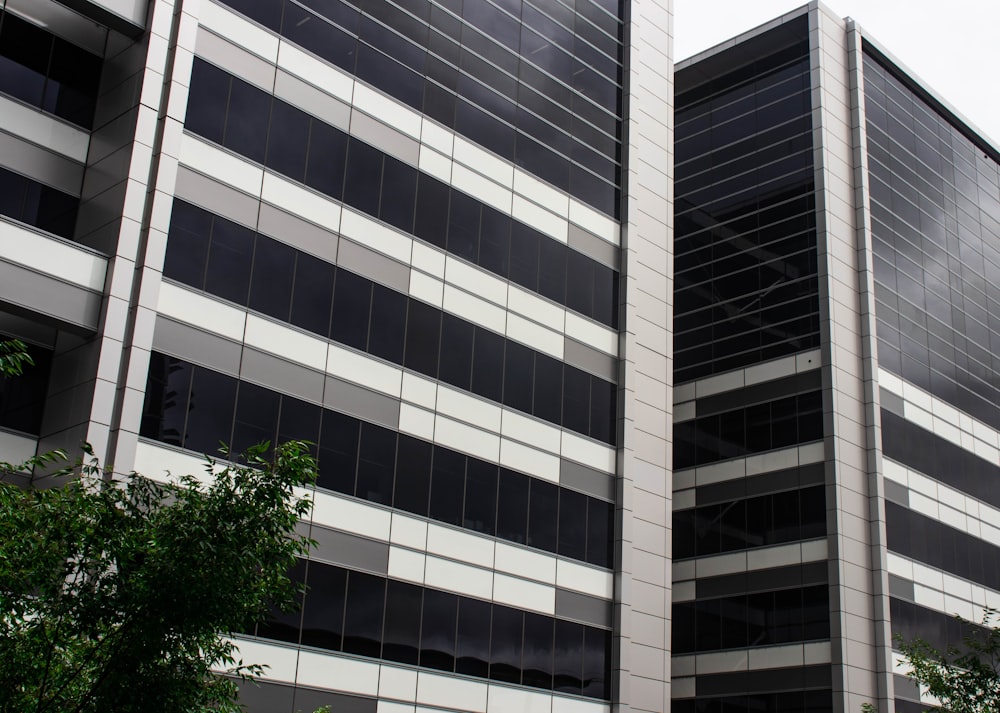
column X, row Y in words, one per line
column 953, row 47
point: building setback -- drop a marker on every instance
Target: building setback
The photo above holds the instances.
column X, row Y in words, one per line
column 837, row 249
column 436, row 238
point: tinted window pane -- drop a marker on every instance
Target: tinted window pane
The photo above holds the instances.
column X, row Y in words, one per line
column 363, row 180
column 388, row 324
column 512, row 506
column 351, row 304
column 487, row 364
column 456, row 351
column 543, row 502
column 537, row 655
column 246, row 120
column 376, row 463
column 472, row 651
column 338, row 452
column 256, row 417
column 230, row 255
column 437, row 635
column 271, row 284
column 288, row 140
column 480, row 496
column 323, row 612
column 210, row 411
column 518, row 372
column 505, row 644
column 312, row 294
column 447, row 486
column 187, row 244
column 413, row 475
column 402, row 622
column 327, row 159
column 423, row 330
column 363, row 617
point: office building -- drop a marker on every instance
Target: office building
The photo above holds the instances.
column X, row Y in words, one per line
column 410, row 233
column 437, row 239
column 835, row 420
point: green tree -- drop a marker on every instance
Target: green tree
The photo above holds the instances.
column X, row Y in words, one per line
column 966, row 678
column 13, row 358
column 117, row 595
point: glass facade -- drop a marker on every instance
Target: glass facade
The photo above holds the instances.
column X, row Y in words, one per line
column 935, row 206
column 746, row 287
column 538, row 83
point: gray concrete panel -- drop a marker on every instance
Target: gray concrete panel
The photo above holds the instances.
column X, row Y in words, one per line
column 580, row 607
column 373, row 265
column 359, row 401
column 590, row 360
column 297, row 232
column 349, row 550
column 384, row 137
column 586, row 480
column 32, row 292
column 312, row 100
column 194, row 345
column 592, row 246
column 40, row 164
column 281, row 375
column 213, row 196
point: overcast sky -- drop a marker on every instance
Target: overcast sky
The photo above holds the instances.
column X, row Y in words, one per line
column 953, row 47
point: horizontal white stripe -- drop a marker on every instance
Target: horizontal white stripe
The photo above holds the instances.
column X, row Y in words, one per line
column 425, row 551
column 472, row 292
column 751, row 659
column 504, row 175
column 751, row 465
column 54, row 134
column 947, row 505
column 753, row 559
column 941, row 591
column 49, row 255
column 943, row 419
column 207, row 313
column 401, row 688
column 740, row 378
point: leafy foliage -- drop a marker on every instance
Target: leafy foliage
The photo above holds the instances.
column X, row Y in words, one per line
column 14, row 357
column 964, row 679
column 115, row 595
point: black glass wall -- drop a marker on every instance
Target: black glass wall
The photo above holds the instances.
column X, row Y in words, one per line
column 196, row 408
column 935, row 206
column 241, row 117
column 46, row 71
column 538, row 83
column 219, row 256
column 34, row 203
column 367, row 615
column 746, row 285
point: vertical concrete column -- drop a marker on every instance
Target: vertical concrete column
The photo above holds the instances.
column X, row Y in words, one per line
column 869, row 374
column 857, row 614
column 116, row 211
column 175, row 23
column 643, row 576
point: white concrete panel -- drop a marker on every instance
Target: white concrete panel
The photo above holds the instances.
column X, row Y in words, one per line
column 476, row 157
column 285, row 342
column 517, row 560
column 365, row 231
column 597, row 223
column 450, row 692
column 531, row 305
column 57, row 136
column 523, row 594
column 537, row 217
column 419, row 390
column 457, row 577
column 201, row 311
column 364, row 370
column 300, row 201
column 469, row 307
column 426, row 288
column 583, row 450
column 406, row 565
column 506, row 700
column 387, row 110
column 592, row 334
column 428, row 259
column 213, row 161
column 475, row 281
column 315, row 71
column 416, row 421
column 535, row 335
column 531, row 431
column 580, row 578
column 408, row 531
column 530, row 187
column 67, row 261
column 457, row 545
column 480, row 187
column 351, row 516
column 467, row 439
column 466, row 407
column 16, row 448
column 529, row 460
column 239, row 31
column 338, row 673
column 279, row 662
column 398, row 683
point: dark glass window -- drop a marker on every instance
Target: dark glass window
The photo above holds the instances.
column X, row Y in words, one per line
column 22, row 398
column 401, row 638
column 323, row 611
column 36, row 204
column 506, row 644
column 363, row 614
